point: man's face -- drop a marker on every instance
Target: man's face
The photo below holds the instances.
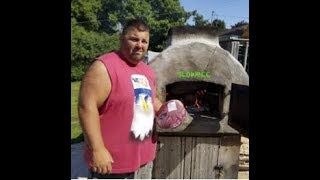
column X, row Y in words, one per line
column 134, row 45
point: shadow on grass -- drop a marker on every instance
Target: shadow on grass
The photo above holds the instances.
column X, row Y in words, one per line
column 78, row 139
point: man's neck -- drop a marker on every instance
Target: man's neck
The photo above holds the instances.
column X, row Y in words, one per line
column 129, row 62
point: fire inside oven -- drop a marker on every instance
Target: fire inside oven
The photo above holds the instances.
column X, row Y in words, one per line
column 201, row 99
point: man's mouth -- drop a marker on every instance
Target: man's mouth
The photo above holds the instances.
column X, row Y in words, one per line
column 137, row 53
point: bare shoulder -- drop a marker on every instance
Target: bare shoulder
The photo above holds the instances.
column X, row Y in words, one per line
column 96, row 74
column 96, row 68
column 96, row 83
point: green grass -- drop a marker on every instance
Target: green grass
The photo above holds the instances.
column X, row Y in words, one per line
column 75, row 126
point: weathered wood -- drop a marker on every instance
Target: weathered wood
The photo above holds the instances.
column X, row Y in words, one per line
column 246, row 56
column 180, row 157
column 145, row 172
column 170, row 159
column 188, row 157
column 203, row 127
column 235, row 49
column 204, row 157
column 228, row 158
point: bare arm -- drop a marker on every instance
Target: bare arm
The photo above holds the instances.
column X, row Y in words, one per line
column 157, row 105
column 95, row 89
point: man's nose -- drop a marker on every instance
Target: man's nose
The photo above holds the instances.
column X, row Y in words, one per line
column 139, row 44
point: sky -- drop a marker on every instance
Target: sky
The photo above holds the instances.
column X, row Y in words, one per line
column 230, row 11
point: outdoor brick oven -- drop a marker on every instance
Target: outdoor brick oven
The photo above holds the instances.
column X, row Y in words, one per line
column 197, row 71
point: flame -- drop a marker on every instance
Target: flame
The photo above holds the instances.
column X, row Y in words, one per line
column 196, row 103
column 199, row 94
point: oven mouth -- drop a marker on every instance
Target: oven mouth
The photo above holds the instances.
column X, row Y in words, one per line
column 202, row 100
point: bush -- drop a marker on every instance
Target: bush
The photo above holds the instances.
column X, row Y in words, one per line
column 87, row 45
column 77, row 72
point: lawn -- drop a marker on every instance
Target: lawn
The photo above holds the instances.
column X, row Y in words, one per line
column 75, row 126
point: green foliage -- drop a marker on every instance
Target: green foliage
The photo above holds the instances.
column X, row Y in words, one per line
column 95, row 26
column 219, row 24
column 160, row 15
column 75, row 87
column 85, row 12
column 167, row 14
column 77, row 71
column 137, row 8
column 199, row 20
column 86, row 45
column 75, row 125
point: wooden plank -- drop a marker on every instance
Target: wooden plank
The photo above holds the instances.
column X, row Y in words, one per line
column 145, row 172
column 203, row 127
column 204, row 157
column 235, row 49
column 182, row 156
column 188, row 157
column 169, row 161
column 228, row 158
column 197, row 157
column 246, row 56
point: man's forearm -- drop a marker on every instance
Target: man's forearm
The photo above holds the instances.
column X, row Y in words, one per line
column 157, row 105
column 89, row 120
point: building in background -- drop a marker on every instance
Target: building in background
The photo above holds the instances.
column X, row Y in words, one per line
column 236, row 41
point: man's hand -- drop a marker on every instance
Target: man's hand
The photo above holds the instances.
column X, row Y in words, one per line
column 101, row 161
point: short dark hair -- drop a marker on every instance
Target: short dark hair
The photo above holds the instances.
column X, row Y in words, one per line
column 137, row 23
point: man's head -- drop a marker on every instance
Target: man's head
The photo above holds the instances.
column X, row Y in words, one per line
column 134, row 41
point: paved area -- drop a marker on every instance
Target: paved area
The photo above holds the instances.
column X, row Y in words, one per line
column 78, row 165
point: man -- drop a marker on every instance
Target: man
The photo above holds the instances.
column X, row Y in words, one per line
column 117, row 105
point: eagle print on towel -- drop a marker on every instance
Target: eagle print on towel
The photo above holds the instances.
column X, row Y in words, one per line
column 143, row 113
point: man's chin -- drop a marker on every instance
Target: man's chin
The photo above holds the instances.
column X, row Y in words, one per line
column 137, row 57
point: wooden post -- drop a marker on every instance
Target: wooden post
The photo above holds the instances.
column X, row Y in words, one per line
column 235, row 49
column 228, row 159
column 246, row 55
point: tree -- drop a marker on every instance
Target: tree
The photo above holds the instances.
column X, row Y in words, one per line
column 239, row 24
column 219, row 24
column 167, row 14
column 160, row 15
column 199, row 20
column 86, row 45
column 86, row 40
column 86, row 13
column 96, row 24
